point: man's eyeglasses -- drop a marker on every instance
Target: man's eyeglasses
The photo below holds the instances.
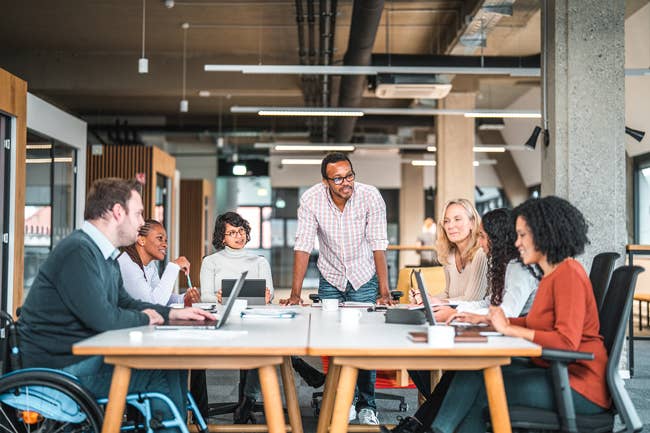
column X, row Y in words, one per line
column 234, row 233
column 339, row 180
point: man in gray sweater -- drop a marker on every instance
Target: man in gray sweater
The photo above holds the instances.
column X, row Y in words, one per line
column 79, row 293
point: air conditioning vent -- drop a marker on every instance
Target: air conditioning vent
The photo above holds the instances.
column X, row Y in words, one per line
column 411, row 87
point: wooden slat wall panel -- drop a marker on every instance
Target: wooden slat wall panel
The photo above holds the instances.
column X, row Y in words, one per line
column 13, row 101
column 191, row 227
column 124, row 162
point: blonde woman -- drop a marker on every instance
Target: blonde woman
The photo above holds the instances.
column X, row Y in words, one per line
column 460, row 253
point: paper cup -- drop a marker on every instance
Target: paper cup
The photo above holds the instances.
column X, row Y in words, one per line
column 330, row 304
column 441, row 336
column 350, row 316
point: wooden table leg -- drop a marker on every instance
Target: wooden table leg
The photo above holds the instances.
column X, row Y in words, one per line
column 116, row 399
column 327, row 405
column 291, row 396
column 496, row 396
column 344, row 397
column 272, row 400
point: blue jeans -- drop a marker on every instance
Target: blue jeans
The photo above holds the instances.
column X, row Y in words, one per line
column 365, row 391
column 96, row 376
column 252, row 387
column 525, row 385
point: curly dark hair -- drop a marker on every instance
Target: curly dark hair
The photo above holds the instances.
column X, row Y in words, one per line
column 235, row 220
column 559, row 229
column 500, row 231
column 333, row 158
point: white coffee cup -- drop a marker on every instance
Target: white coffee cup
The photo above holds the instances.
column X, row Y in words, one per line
column 330, row 304
column 349, row 316
column 239, row 306
column 441, row 336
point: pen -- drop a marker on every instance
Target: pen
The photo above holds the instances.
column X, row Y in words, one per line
column 189, row 281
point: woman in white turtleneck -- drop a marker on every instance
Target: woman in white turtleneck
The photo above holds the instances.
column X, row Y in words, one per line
column 231, row 234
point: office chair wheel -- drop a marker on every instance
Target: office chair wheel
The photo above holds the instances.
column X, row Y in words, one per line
column 35, row 400
column 403, row 407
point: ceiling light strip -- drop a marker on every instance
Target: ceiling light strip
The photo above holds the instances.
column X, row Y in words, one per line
column 358, row 112
column 301, row 161
column 371, row 70
column 309, row 112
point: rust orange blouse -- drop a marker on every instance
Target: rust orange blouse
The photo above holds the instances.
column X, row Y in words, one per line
column 564, row 316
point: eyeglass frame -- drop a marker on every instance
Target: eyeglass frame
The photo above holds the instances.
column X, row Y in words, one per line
column 232, row 233
column 343, row 178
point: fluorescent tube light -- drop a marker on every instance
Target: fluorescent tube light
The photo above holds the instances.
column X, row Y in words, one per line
column 38, row 146
column 432, row 148
column 307, row 112
column 498, row 149
column 315, row 148
column 509, row 114
column 371, row 70
column 47, row 160
column 301, row 161
column 423, row 163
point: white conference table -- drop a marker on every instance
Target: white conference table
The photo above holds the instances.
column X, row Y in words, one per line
column 374, row 345
column 240, row 344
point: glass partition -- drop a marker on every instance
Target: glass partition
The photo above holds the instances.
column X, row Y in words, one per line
column 5, row 166
column 49, row 200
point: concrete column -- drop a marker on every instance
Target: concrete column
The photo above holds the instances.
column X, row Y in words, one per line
column 411, row 211
column 585, row 161
column 455, row 155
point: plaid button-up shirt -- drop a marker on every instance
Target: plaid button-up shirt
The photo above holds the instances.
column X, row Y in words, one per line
column 346, row 239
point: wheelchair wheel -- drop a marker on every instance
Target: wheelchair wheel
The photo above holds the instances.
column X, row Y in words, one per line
column 46, row 402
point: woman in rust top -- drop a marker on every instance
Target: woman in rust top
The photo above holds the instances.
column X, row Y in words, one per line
column 550, row 232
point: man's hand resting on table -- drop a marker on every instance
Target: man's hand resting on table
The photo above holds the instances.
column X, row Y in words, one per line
column 190, row 314
column 292, row 300
column 154, row 317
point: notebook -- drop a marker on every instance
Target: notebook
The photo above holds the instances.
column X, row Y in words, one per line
column 192, row 324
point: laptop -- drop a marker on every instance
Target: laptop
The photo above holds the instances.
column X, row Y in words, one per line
column 466, row 329
column 254, row 290
column 193, row 324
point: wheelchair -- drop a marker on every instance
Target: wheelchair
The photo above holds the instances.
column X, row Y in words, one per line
column 43, row 400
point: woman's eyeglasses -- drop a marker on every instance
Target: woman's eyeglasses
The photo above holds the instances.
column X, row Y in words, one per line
column 234, row 233
column 339, row 180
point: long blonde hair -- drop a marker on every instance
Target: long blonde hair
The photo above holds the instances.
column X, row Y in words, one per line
column 444, row 246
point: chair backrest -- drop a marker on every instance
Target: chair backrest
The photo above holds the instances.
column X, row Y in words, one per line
column 600, row 274
column 11, row 359
column 613, row 316
column 434, row 279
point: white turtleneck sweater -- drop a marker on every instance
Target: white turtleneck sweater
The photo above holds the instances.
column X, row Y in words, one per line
column 229, row 263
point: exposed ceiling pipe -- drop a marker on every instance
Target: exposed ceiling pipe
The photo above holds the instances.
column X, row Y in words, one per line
column 327, row 27
column 366, row 15
column 532, row 61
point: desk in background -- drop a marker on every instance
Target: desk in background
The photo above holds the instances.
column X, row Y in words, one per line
column 632, row 250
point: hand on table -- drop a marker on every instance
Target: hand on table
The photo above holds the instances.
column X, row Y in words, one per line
column 499, row 321
column 190, row 314
column 443, row 313
column 465, row 317
column 154, row 317
column 292, row 300
column 385, row 300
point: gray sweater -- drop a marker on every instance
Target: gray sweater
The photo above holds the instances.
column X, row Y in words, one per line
column 76, row 295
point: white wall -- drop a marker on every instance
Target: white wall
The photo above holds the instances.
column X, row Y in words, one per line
column 637, row 89
column 54, row 123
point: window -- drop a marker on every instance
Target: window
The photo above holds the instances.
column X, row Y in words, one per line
column 5, row 166
column 642, row 199
column 49, row 200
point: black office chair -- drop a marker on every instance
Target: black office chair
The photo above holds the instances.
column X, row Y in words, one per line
column 613, row 320
column 601, row 273
column 316, row 396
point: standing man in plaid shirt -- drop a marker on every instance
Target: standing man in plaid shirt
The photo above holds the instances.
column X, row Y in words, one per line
column 350, row 221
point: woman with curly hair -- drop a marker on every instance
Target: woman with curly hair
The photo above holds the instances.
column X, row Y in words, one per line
column 231, row 234
column 511, row 284
column 564, row 315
